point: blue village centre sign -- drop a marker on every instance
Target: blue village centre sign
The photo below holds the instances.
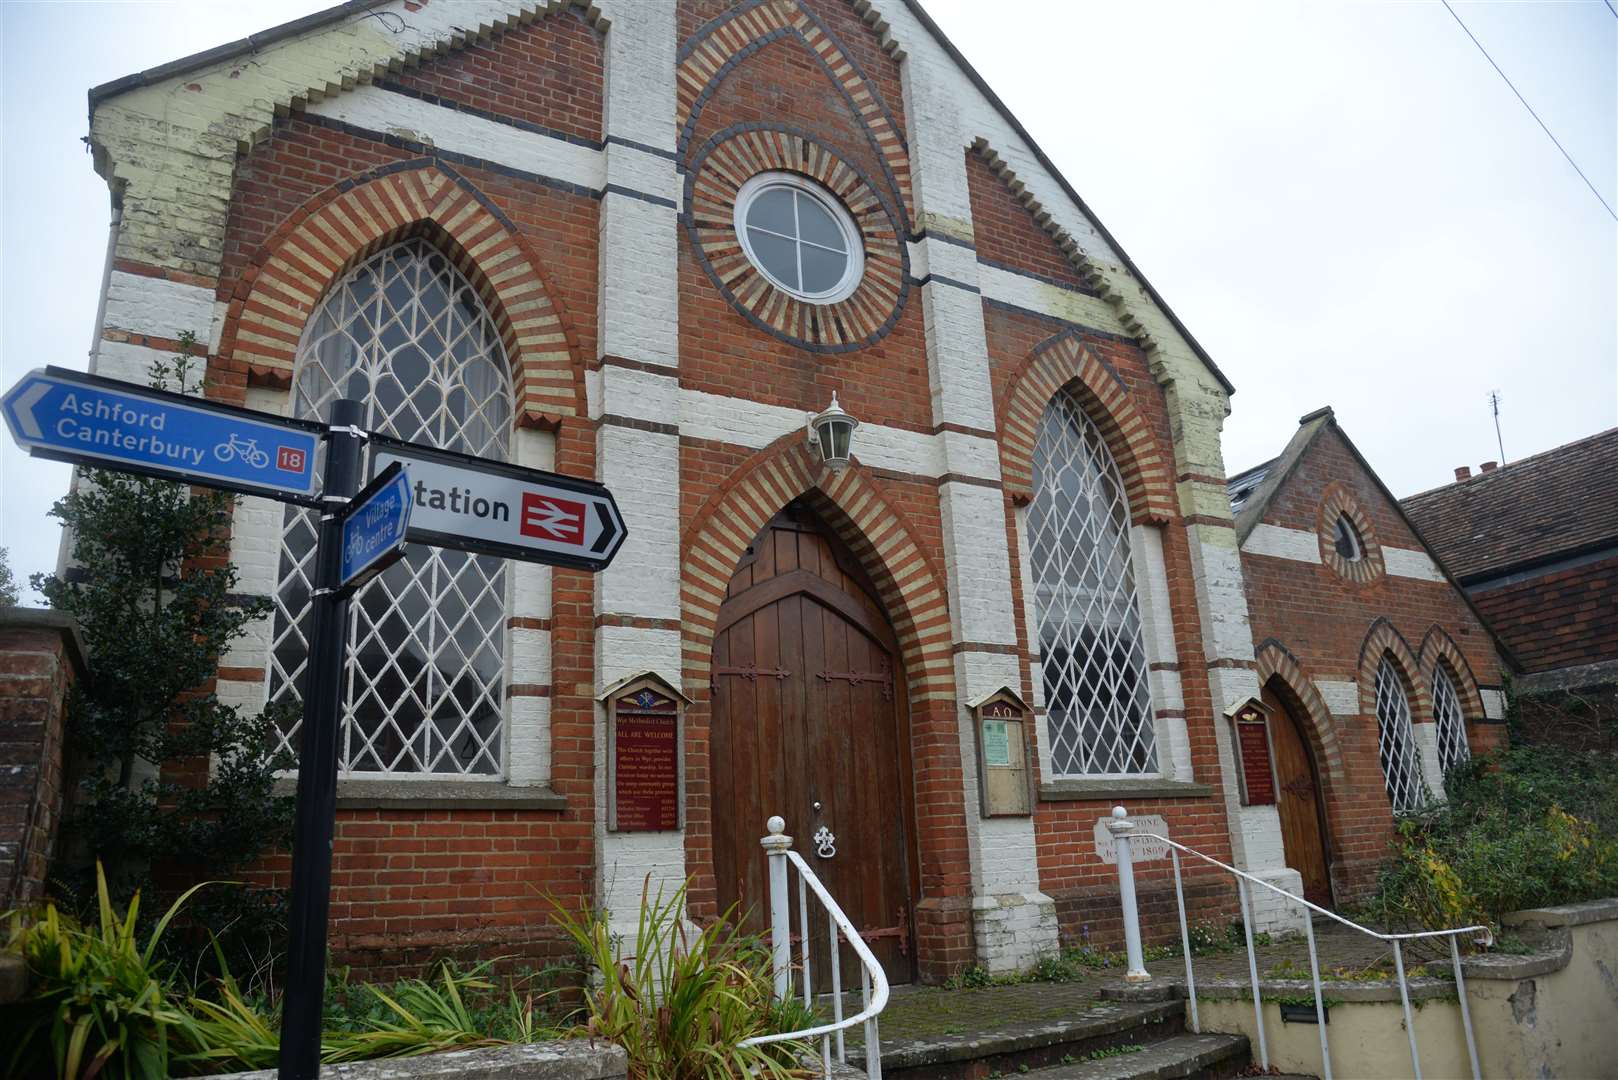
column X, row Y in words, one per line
column 118, row 425
column 374, row 528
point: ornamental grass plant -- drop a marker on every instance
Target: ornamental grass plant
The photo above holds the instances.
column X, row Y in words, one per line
column 681, row 1001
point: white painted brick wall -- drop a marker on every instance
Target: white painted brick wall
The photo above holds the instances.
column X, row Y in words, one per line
column 1432, row 771
column 1273, row 540
column 1411, row 563
column 1342, row 698
column 148, row 305
column 643, row 467
column 387, row 113
column 639, row 312
column 528, row 742
column 977, row 562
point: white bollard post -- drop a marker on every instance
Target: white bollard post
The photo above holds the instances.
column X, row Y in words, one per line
column 776, row 845
column 1120, row 826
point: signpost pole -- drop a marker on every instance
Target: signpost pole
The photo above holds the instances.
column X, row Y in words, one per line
column 317, row 760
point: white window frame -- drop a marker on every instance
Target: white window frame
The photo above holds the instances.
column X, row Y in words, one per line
column 853, row 272
column 524, row 757
column 1449, row 720
column 1397, row 744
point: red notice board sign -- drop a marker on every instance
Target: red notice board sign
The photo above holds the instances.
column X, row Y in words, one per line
column 1253, row 751
column 646, row 762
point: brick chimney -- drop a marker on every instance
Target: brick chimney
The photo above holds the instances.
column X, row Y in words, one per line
column 1464, row 472
column 1489, row 466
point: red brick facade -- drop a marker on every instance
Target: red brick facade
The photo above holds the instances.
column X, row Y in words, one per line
column 814, row 88
column 1332, row 621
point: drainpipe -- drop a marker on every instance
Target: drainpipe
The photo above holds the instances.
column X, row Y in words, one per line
column 106, row 280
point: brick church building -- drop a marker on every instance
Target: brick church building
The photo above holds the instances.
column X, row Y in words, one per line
column 642, row 242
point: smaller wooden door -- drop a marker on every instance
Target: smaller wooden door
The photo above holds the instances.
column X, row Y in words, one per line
column 1298, row 800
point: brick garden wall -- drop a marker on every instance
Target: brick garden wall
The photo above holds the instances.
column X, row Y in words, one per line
column 41, row 656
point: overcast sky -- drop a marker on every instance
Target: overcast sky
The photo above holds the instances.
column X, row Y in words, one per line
column 1343, row 202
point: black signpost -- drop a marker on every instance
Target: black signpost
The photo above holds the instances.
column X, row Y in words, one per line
column 418, row 493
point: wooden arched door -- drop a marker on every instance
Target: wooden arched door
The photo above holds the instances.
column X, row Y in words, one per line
column 1299, row 799
column 810, row 722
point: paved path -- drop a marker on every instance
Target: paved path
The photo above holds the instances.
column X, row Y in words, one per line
column 921, row 1012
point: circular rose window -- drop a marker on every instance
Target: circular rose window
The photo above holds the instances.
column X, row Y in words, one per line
column 800, row 237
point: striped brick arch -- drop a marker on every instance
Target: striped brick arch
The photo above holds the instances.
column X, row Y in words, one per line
column 1062, row 361
column 710, row 53
column 1437, row 646
column 349, row 222
column 911, row 591
column 1275, row 660
column 1338, row 500
column 736, row 155
column 1383, row 640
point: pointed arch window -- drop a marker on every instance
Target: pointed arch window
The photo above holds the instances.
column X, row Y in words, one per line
column 424, row 690
column 1451, row 723
column 1092, row 646
column 1396, row 741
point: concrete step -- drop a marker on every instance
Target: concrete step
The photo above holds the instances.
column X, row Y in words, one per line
column 1203, row 1057
column 1016, row 1046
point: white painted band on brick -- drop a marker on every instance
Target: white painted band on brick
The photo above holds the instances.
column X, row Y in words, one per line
column 755, row 425
column 1282, row 543
column 1070, row 305
column 1411, row 563
column 387, row 113
column 1341, row 698
column 1494, row 704
column 156, row 306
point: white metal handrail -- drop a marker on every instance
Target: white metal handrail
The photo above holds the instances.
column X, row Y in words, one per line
column 1123, row 829
column 873, row 980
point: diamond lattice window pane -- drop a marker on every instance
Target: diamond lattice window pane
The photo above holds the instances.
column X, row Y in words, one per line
column 425, row 683
column 1396, row 742
column 1092, row 649
column 1452, row 748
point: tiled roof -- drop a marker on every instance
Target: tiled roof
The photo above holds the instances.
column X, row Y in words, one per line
column 1559, row 502
column 1240, row 487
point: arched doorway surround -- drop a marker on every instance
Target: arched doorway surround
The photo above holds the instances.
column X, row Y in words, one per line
column 810, row 720
column 910, row 589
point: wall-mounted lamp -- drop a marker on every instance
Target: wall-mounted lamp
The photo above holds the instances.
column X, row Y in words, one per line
column 831, row 434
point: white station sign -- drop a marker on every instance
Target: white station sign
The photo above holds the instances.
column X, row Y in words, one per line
column 497, row 509
column 1141, row 848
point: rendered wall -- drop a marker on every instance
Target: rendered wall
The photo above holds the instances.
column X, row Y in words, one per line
column 1530, row 1018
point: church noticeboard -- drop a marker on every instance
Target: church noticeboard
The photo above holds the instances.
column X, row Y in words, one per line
column 1005, row 781
column 1252, row 723
column 645, row 760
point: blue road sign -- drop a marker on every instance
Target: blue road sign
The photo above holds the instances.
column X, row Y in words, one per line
column 112, row 424
column 374, row 527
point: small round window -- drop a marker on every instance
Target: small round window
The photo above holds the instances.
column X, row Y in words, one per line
column 800, row 237
column 1348, row 542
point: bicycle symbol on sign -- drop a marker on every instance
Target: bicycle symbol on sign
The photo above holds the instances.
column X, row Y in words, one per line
column 245, row 449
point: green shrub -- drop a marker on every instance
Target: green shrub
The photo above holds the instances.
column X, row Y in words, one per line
column 1522, row 827
column 680, row 1005
column 99, row 1003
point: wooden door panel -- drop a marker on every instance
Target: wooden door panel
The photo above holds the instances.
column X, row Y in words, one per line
column 1298, row 801
column 807, row 708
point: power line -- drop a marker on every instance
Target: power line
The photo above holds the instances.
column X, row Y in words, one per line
column 1611, row 8
column 1531, row 111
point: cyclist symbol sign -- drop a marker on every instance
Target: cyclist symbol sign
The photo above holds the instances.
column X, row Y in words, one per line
column 110, row 424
